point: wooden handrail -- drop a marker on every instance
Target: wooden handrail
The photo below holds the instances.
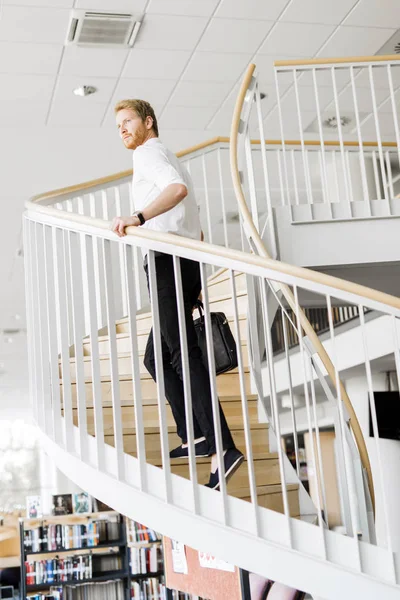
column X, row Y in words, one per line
column 336, row 61
column 286, row 291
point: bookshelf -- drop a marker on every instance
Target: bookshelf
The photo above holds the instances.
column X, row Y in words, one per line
column 60, row 553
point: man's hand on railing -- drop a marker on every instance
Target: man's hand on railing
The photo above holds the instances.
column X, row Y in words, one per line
column 119, row 223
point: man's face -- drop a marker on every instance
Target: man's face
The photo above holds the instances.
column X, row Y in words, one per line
column 131, row 128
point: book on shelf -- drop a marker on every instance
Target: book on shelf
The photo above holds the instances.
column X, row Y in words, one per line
column 55, row 570
column 62, row 504
column 151, row 588
column 53, row 537
column 146, row 560
column 81, row 503
column 107, row 590
column 138, row 533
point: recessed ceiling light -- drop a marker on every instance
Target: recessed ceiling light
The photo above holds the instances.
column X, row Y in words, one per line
column 85, row 90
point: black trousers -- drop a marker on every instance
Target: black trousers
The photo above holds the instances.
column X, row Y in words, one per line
column 203, row 422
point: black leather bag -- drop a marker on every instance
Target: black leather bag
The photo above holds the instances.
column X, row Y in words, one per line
column 225, row 353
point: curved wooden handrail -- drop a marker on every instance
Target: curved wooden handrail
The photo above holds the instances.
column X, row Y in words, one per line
column 286, row 291
column 336, row 61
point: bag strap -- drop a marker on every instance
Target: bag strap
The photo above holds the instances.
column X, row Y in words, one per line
column 200, row 307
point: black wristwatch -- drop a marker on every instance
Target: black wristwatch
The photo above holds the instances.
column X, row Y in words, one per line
column 139, row 215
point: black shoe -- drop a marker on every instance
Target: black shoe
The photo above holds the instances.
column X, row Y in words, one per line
column 201, row 450
column 232, row 461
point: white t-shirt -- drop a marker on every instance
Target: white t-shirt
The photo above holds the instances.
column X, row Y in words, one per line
column 154, row 168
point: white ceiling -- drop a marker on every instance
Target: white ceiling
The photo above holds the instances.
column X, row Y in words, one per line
column 188, row 60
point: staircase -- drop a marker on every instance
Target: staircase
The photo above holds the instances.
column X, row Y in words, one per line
column 108, row 427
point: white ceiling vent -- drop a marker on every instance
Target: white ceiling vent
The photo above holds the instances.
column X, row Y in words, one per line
column 392, row 46
column 89, row 28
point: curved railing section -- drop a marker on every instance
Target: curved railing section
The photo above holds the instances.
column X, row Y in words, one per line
column 240, row 140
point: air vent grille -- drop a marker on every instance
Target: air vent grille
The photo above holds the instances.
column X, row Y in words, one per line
column 102, row 29
column 392, row 46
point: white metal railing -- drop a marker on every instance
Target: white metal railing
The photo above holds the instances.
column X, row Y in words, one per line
column 352, row 101
column 73, row 409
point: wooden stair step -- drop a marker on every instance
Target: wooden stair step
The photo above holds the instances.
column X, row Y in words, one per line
column 125, row 364
column 233, row 413
column 222, row 284
column 259, row 440
column 266, row 470
column 227, row 385
column 270, row 496
column 124, row 343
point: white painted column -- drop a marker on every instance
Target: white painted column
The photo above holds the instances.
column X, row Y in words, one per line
column 357, row 390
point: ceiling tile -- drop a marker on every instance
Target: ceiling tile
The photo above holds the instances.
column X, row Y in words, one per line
column 296, row 39
column 153, row 90
column 178, row 117
column 42, row 25
column 131, row 6
column 18, row 112
column 196, row 93
column 207, row 66
column 155, row 64
column 35, row 88
column 48, row 3
column 234, row 35
column 251, row 9
column 385, row 13
column 96, row 62
column 356, row 41
column 88, row 115
column 315, row 11
column 203, row 8
column 66, row 84
column 42, row 59
column 165, row 32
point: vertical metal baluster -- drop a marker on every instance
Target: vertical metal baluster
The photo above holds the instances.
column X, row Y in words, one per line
column 322, row 489
column 122, row 266
column 348, row 175
column 131, row 198
column 63, row 317
column 292, row 411
column 348, row 469
column 390, row 179
column 340, row 132
column 208, row 212
column 377, row 445
column 309, row 421
column 31, row 319
column 394, row 109
column 186, row 382
column 267, row 184
column 301, row 134
column 274, row 403
column 324, row 176
column 251, row 180
column 52, row 333
column 97, row 273
column 90, row 276
column 74, row 253
column 278, row 102
column 104, row 203
column 295, row 183
column 222, row 192
column 214, row 395
column 376, row 176
column 159, row 376
column 378, row 136
column 367, row 199
column 42, row 347
column 335, row 171
column 113, row 356
column 245, row 409
column 135, row 365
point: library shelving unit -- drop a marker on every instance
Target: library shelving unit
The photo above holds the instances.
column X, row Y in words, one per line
column 71, row 550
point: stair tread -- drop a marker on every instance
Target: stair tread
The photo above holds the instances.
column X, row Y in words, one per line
column 207, row 459
column 274, row 488
column 172, row 428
